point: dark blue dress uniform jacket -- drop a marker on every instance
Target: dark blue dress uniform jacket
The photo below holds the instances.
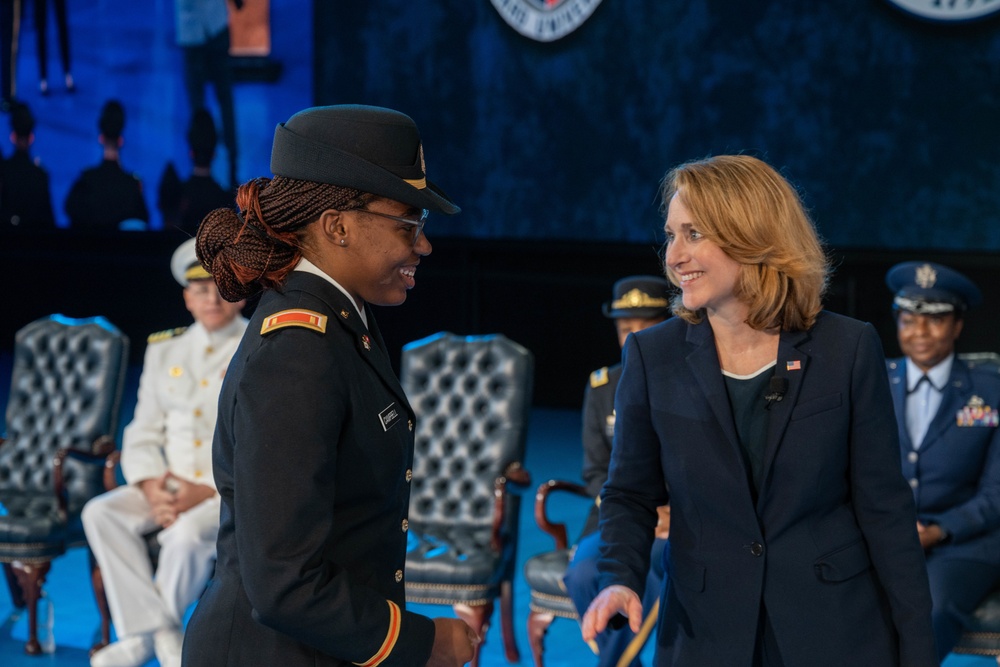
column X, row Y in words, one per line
column 829, row 548
column 955, row 474
column 313, row 448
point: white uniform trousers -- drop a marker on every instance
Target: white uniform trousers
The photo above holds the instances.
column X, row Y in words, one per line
column 139, row 601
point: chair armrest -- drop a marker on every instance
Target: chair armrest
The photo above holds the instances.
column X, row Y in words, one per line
column 101, row 453
column 516, row 476
column 556, row 530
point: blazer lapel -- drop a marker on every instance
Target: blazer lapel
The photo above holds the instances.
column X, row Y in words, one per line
column 792, row 366
column 704, row 364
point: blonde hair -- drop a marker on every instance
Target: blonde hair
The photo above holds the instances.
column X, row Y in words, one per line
column 756, row 217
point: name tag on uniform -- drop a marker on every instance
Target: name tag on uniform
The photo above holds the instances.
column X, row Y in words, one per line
column 389, row 417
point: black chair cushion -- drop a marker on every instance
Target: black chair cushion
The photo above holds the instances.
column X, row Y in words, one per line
column 31, row 526
column 451, row 566
column 982, row 634
column 544, row 574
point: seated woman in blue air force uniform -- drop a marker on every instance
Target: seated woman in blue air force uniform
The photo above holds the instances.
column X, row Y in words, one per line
column 768, row 425
column 947, row 414
column 167, row 463
column 314, row 445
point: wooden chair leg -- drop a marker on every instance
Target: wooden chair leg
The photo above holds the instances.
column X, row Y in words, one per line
column 507, row 622
column 97, row 582
column 538, row 625
column 477, row 618
column 16, row 594
column 31, row 577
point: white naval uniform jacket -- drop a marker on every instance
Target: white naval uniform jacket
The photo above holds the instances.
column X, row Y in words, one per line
column 177, row 404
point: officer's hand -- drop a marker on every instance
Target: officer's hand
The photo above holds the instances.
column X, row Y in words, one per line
column 187, row 494
column 162, row 503
column 662, row 531
column 612, row 600
column 454, row 643
column 929, row 534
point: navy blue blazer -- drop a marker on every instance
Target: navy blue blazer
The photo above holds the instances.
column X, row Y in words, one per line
column 312, row 457
column 830, row 546
column 955, row 475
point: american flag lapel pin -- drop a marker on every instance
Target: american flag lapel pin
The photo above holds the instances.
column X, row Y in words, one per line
column 793, row 365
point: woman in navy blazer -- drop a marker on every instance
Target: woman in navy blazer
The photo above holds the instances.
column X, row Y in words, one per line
column 768, row 426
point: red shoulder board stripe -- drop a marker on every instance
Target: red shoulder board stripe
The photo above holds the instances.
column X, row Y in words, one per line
column 390, row 638
column 294, row 318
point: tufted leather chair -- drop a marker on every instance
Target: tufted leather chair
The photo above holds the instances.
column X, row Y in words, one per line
column 982, row 634
column 472, row 397
column 66, row 389
column 544, row 572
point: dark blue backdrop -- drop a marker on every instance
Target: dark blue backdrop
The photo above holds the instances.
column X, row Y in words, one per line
column 886, row 123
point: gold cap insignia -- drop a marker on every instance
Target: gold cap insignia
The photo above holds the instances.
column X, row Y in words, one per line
column 636, row 298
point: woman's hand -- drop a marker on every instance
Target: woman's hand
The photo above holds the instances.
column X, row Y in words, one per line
column 612, row 600
column 662, row 531
column 454, row 643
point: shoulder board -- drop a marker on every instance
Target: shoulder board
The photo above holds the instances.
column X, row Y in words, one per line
column 161, row 336
column 599, row 377
column 308, row 319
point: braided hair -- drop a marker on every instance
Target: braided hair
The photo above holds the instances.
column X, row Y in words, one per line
column 256, row 246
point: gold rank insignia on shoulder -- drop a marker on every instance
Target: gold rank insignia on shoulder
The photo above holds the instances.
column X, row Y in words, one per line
column 308, row 319
column 167, row 334
column 599, row 377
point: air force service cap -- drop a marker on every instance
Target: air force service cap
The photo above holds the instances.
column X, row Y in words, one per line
column 185, row 265
column 639, row 296
column 926, row 288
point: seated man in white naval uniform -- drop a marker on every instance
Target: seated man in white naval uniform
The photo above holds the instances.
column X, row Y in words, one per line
column 167, row 463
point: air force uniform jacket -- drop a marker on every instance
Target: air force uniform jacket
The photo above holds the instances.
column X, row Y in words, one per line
column 313, row 460
column 955, row 471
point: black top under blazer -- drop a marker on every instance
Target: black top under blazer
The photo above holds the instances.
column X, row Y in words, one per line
column 312, row 453
column 830, row 547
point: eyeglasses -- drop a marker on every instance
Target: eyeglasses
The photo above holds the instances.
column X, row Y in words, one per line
column 417, row 225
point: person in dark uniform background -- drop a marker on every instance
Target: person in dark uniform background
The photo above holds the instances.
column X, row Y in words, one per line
column 313, row 453
column 947, row 413
column 62, row 30
column 104, row 196
column 25, row 199
column 10, row 38
column 203, row 35
column 637, row 302
column 185, row 203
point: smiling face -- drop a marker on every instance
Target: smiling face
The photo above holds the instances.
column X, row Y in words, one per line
column 382, row 253
column 927, row 340
column 706, row 274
